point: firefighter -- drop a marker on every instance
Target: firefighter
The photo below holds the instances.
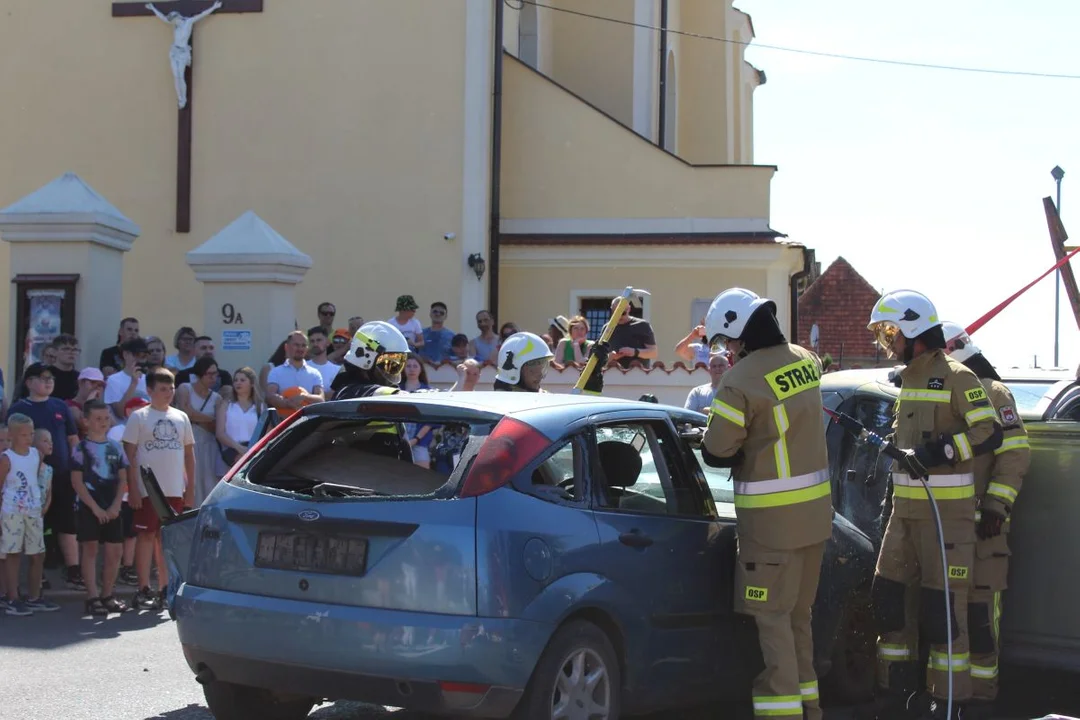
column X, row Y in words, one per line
column 997, row 483
column 943, row 420
column 373, row 365
column 766, row 423
column 523, row 362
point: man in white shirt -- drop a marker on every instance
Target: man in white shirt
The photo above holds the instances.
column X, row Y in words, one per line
column 700, row 398
column 317, row 358
column 294, row 383
column 130, row 382
column 405, row 321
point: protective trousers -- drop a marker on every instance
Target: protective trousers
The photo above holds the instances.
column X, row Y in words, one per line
column 984, row 614
column 777, row 588
column 910, row 556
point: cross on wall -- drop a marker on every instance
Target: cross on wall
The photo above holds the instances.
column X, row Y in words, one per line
column 187, row 9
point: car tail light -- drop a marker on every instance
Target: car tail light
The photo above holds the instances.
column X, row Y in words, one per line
column 274, row 432
column 511, row 446
column 459, row 687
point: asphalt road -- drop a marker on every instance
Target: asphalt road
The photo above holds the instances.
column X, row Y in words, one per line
column 63, row 666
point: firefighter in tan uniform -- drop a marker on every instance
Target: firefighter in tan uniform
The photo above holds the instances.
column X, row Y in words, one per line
column 766, row 423
column 944, row 420
column 997, row 483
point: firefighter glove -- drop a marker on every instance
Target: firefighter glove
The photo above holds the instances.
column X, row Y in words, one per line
column 913, row 465
column 990, row 524
column 595, row 382
column 600, row 351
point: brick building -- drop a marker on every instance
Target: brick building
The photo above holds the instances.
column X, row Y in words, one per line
column 838, row 305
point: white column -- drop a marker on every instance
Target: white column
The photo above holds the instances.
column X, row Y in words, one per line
column 645, row 63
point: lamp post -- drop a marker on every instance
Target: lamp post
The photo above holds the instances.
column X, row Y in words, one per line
column 1057, row 173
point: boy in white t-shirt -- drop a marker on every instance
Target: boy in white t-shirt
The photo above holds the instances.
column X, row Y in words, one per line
column 22, row 518
column 405, row 321
column 158, row 437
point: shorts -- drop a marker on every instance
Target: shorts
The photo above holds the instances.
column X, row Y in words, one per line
column 61, row 516
column 90, row 529
column 21, row 533
column 145, row 518
column 420, row 454
column 127, row 517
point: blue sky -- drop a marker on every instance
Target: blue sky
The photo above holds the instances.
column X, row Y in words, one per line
column 928, row 179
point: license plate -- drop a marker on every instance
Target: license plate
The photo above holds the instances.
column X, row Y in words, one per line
column 312, row 552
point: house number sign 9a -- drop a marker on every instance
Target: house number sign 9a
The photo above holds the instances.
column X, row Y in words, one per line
column 230, row 315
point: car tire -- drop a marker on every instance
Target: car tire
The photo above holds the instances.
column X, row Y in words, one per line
column 228, row 701
column 851, row 677
column 578, row 650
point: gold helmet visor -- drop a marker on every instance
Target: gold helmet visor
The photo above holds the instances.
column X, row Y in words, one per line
column 885, row 333
column 391, row 363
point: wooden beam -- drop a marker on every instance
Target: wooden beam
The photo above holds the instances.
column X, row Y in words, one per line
column 1058, row 236
column 186, row 7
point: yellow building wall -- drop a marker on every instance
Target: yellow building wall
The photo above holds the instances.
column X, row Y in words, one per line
column 563, row 159
column 339, row 122
column 703, row 83
column 673, row 289
column 595, row 58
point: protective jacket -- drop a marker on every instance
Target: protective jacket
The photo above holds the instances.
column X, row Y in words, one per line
column 943, row 406
column 768, row 407
column 998, row 477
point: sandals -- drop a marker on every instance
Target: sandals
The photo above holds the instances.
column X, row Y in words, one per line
column 96, row 607
column 114, row 605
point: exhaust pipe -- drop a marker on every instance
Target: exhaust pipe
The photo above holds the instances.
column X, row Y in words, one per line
column 205, row 676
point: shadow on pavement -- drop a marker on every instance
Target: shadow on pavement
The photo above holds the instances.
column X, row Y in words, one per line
column 68, row 626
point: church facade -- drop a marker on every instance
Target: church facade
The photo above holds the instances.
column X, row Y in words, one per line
column 390, row 147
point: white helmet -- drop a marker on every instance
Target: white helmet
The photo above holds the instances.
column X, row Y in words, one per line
column 902, row 311
column 379, row 344
column 516, row 350
column 957, row 342
column 729, row 313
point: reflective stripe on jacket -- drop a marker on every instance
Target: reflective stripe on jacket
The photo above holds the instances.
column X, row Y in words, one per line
column 940, row 396
column 998, row 477
column 768, row 405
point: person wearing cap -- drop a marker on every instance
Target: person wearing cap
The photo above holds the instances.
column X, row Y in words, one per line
column 339, row 345
column 405, row 321
column 91, row 383
column 438, row 337
column 52, row 414
column 130, row 381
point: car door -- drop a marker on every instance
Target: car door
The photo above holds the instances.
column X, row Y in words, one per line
column 659, row 544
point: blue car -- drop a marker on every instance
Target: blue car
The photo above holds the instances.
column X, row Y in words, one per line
column 564, row 556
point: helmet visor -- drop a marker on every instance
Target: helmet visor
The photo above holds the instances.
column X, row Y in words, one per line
column 719, row 342
column 540, row 365
column 959, row 342
column 391, row 363
column 885, row 333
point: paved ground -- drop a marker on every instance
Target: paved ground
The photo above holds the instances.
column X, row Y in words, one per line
column 63, row 666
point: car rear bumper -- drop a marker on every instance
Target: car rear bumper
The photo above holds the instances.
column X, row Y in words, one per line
column 388, row 657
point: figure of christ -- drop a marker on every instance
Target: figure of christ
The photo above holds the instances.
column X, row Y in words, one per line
column 180, row 52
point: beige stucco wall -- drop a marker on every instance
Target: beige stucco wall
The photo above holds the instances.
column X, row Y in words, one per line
column 675, row 276
column 340, row 122
column 594, row 58
column 704, row 124
column 562, row 159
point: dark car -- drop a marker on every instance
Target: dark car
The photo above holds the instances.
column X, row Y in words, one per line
column 574, row 550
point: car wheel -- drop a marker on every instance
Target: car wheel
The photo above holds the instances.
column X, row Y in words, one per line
column 854, row 661
column 577, row 678
column 228, row 701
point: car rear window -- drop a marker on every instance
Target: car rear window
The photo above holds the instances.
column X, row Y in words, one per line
column 335, row 457
column 1027, row 394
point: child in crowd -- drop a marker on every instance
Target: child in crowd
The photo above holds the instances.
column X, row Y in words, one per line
column 43, row 443
column 127, row 575
column 99, row 475
column 21, row 517
column 158, row 436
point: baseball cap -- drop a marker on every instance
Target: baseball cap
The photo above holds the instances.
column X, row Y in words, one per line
column 91, row 373
column 342, row 334
column 135, row 403
column 35, row 370
column 405, row 302
column 135, row 347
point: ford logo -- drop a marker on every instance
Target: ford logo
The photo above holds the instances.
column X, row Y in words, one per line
column 309, row 515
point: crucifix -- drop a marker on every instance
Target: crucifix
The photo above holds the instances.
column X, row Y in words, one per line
column 182, row 15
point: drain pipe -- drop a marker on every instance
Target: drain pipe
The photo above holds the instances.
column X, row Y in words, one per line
column 808, row 264
column 661, row 125
column 496, row 162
